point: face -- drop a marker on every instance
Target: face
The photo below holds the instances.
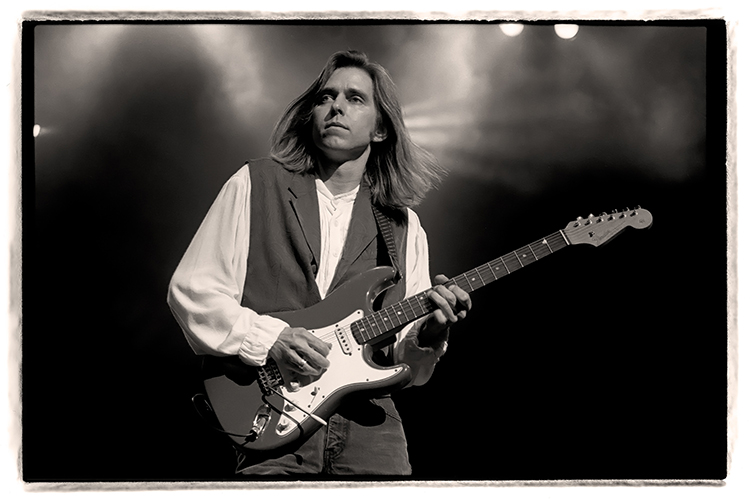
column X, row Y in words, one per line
column 345, row 119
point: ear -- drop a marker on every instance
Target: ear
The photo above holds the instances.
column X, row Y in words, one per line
column 380, row 134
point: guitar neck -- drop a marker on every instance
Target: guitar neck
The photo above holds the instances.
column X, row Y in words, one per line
column 388, row 319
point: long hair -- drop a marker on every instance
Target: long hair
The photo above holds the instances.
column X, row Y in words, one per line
column 399, row 172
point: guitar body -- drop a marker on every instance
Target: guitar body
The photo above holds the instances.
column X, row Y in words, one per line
column 240, row 394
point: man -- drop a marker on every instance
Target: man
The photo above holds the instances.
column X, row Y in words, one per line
column 285, row 232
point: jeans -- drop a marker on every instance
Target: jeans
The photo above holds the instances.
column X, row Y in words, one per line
column 364, row 437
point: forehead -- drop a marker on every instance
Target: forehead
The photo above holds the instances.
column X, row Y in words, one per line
column 350, row 78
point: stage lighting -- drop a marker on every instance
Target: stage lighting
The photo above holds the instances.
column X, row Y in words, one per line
column 566, row 31
column 37, row 130
column 511, row 29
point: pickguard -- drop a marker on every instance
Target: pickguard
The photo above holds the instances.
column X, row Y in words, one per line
column 349, row 370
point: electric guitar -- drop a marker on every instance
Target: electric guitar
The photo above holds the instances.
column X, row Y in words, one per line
column 265, row 408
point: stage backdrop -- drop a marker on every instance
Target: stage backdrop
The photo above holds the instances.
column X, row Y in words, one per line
column 602, row 362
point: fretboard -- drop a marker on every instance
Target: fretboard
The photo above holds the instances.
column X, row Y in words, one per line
column 388, row 319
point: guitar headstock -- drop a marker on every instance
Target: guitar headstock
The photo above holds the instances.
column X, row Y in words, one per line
column 597, row 230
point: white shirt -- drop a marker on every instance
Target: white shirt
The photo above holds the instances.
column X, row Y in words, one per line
column 206, row 289
column 335, row 216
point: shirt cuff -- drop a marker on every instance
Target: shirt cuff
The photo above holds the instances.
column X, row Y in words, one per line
column 437, row 349
column 421, row 359
column 261, row 336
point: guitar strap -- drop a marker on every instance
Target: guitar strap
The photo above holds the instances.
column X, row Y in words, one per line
column 386, row 231
column 384, row 356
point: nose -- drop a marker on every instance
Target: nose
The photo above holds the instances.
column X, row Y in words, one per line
column 337, row 107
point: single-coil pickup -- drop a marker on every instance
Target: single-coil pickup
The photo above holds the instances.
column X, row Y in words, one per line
column 343, row 340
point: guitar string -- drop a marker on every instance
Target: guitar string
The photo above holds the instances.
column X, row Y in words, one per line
column 485, row 272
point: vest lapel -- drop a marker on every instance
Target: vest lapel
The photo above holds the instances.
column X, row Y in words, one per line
column 304, row 201
column 362, row 231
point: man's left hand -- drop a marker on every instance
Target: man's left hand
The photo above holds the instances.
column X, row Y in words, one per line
column 453, row 303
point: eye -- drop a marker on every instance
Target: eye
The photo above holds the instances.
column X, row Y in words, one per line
column 323, row 98
column 357, row 99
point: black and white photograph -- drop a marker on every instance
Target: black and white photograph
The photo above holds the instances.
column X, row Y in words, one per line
column 374, row 250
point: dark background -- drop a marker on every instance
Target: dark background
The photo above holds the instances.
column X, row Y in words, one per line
column 598, row 363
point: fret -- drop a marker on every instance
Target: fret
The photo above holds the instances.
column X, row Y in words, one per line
column 402, row 312
column 541, row 249
column 486, row 278
column 505, row 265
column 479, row 275
column 538, row 252
column 387, row 323
column 532, row 252
column 457, row 281
column 369, row 333
column 408, row 302
column 424, row 303
column 517, row 257
column 391, row 316
column 375, row 324
column 356, row 333
column 493, row 272
column 362, row 333
column 497, row 268
column 470, row 281
column 545, row 242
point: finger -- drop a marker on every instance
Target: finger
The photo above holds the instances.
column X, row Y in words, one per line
column 448, row 295
column 321, row 347
column 313, row 359
column 462, row 297
column 298, row 364
column 439, row 317
column 303, row 366
column 444, row 306
column 440, row 279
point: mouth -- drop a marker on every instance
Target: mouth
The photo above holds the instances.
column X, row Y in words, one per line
column 337, row 125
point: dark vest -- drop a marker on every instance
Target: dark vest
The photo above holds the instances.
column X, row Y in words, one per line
column 285, row 241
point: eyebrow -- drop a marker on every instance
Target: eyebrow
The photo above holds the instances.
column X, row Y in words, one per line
column 348, row 90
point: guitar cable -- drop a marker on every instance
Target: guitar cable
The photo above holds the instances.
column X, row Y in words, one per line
column 309, row 414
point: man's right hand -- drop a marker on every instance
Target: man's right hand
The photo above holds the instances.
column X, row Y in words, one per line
column 299, row 351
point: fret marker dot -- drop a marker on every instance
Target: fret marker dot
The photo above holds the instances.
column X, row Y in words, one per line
column 472, row 279
column 523, row 255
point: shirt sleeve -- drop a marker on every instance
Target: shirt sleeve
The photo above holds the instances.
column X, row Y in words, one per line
column 205, row 292
column 421, row 359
